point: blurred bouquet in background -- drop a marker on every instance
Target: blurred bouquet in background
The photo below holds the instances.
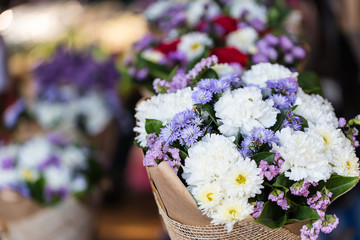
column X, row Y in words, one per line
column 255, row 147
column 47, row 178
column 239, row 33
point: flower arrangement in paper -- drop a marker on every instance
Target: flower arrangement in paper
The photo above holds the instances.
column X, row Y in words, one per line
column 47, row 169
column 254, row 144
column 74, row 92
column 237, row 32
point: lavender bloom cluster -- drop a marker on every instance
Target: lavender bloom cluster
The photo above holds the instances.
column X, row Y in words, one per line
column 283, row 92
column 278, row 49
column 259, row 139
column 350, row 129
column 279, row 198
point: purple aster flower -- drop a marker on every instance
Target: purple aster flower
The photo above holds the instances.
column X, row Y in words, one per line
column 280, row 101
column 258, row 209
column 298, row 52
column 190, row 134
column 207, row 84
column 144, row 42
column 271, row 39
column 292, row 120
column 221, row 86
column 285, row 43
column 7, row 163
column 258, row 24
column 259, row 138
column 289, row 58
column 231, row 78
column 262, row 46
column 259, row 58
column 142, row 74
column 182, row 119
column 201, row 96
column 52, row 160
column 272, row 53
column 168, row 134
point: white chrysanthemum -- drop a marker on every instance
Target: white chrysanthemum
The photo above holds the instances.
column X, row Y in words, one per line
column 152, row 55
column 196, row 10
column 304, row 155
column 332, row 137
column 34, row 152
column 251, row 7
column 97, row 114
column 262, row 72
column 243, row 39
column 208, row 196
column 243, row 110
column 345, row 162
column 243, row 179
column 73, row 157
column 209, row 159
column 162, row 107
column 315, row 109
column 231, row 211
column 222, row 69
column 57, row 178
column 157, row 9
column 49, row 114
column 193, row 44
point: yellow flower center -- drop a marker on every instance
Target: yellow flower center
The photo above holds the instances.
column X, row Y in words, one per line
column 250, row 99
column 233, row 214
column 348, row 165
column 195, row 46
column 241, row 179
column 28, row 175
column 209, row 196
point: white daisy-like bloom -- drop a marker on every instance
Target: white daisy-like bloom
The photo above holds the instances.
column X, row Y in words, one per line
column 222, row 69
column 73, row 157
column 34, row 152
column 251, row 7
column 193, row 44
column 243, row 179
column 243, row 110
column 196, row 10
column 97, row 114
column 208, row 196
column 231, row 211
column 152, row 55
column 304, row 155
column 157, row 9
column 162, row 107
column 209, row 159
column 262, row 72
column 315, row 109
column 57, row 178
column 345, row 161
column 49, row 114
column 332, row 137
column 243, row 39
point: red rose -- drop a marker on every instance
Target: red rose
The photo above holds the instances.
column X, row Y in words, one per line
column 230, row 55
column 229, row 24
column 167, row 47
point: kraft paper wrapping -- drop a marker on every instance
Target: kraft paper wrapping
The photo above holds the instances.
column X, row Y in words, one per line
column 175, row 201
column 22, row 219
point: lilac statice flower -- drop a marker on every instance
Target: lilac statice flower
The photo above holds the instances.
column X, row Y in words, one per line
column 200, row 66
column 321, row 200
column 268, row 171
column 161, row 86
column 278, row 197
column 258, row 139
column 258, row 209
column 329, row 224
column 301, row 188
column 311, row 230
column 292, row 120
column 342, row 122
column 201, row 96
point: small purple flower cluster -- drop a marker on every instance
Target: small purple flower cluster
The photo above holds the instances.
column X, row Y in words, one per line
column 258, row 209
column 159, row 151
column 210, row 86
column 271, row 171
column 144, row 43
column 272, row 48
column 326, row 225
column 258, row 139
column 200, row 66
column 350, row 130
column 320, row 200
column 185, row 127
column 301, row 188
column 179, row 81
column 278, row 196
column 292, row 120
column 283, row 92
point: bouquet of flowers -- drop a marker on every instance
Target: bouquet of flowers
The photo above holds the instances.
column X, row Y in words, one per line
column 240, row 37
column 254, row 152
column 46, row 177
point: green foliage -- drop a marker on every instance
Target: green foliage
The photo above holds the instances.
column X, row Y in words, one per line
column 301, row 213
column 339, row 185
column 272, row 216
column 310, row 83
column 266, row 156
column 153, row 126
column 277, row 14
column 157, row 70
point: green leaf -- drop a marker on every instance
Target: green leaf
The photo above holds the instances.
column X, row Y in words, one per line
column 153, row 126
column 339, row 185
column 172, row 73
column 183, row 155
column 279, row 121
column 283, row 182
column 209, row 73
column 302, row 213
column 210, row 110
column 266, row 156
column 155, row 69
column 272, row 216
column 310, row 83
